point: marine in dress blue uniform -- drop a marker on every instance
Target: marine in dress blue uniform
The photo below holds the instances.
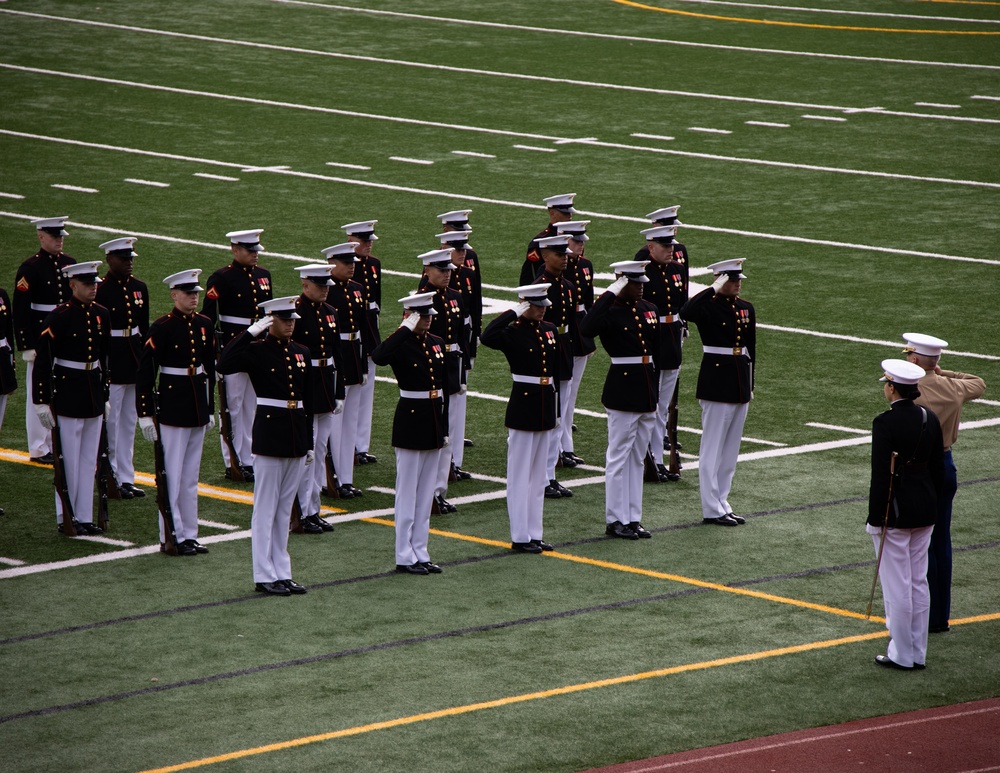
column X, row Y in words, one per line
column 628, row 328
column 727, row 325
column 317, row 330
column 8, row 374
column 281, row 371
column 175, row 400
column 367, row 273
column 348, row 298
column 580, row 273
column 419, row 427
column 907, row 479
column 232, row 301
column 127, row 300
column 530, row 346
column 69, row 381
column 560, row 209
column 39, row 287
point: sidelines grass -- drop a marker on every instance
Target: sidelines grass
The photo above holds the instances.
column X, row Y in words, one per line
column 494, row 625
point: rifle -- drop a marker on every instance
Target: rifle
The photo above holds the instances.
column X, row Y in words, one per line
column 885, row 525
column 332, row 483
column 59, row 477
column 295, row 524
column 226, row 430
column 163, row 495
column 103, row 468
column 674, row 465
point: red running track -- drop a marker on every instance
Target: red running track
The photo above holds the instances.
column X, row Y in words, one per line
column 962, row 738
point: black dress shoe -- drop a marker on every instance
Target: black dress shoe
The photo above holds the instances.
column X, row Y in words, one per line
column 90, row 529
column 884, row 660
column 43, row 459
column 559, row 488
column 321, row 523
column 552, row 491
column 431, row 567
column 363, row 457
column 416, row 568
column 459, row 473
column 738, row 518
column 542, row 545
column 271, row 588
column 565, row 460
column 346, row 491
column 467, row 443
column 247, row 471
column 939, row 628
column 573, row 427
column 125, row 493
column 136, row 492
column 640, row 531
column 355, row 491
column 442, row 506
column 309, row 526
column 920, row 666
column 666, row 475
column 292, row 586
column 1, row 511
column 198, row 547
column 525, row 547
column 726, row 520
column 186, row 549
column 620, row 530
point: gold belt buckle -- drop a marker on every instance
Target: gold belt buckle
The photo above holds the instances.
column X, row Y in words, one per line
column 544, row 381
column 192, row 370
column 433, row 394
column 645, row 359
column 88, row 365
column 292, row 405
column 737, row 350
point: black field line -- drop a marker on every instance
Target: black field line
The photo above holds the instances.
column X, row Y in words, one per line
column 454, row 633
column 491, row 556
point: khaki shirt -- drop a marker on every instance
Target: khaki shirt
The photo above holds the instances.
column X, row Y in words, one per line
column 945, row 394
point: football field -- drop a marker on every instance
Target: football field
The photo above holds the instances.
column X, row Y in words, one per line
column 848, row 150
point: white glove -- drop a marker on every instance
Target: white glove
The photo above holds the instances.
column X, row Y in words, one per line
column 28, row 355
column 148, row 427
column 558, row 421
column 310, row 456
column 107, row 411
column 720, row 280
column 260, row 326
column 45, row 417
column 463, row 389
column 338, row 407
column 522, row 307
column 619, row 285
column 447, row 442
column 211, row 423
column 364, row 379
column 410, row 321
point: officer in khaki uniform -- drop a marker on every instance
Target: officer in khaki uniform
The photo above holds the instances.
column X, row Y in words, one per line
column 628, row 328
column 127, row 300
column 530, row 346
column 39, row 287
column 175, row 400
column 281, row 371
column 727, row 325
column 419, row 427
column 70, row 382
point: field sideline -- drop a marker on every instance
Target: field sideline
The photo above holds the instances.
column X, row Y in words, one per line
column 848, row 151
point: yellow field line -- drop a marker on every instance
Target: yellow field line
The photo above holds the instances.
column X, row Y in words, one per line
column 652, row 573
column 644, row 7
column 542, row 694
column 238, row 496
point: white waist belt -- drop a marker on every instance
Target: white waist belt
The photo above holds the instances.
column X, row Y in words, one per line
column 543, row 380
column 192, row 371
column 4, row 344
column 322, row 363
column 666, row 319
column 454, row 348
column 272, row 403
column 43, row 306
column 76, row 365
column 580, row 307
column 348, row 336
column 561, row 329
column 725, row 350
column 644, row 360
column 411, row 395
column 373, row 306
column 234, row 320
column 124, row 332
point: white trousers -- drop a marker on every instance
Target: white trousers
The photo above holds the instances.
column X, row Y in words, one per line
column 555, row 438
column 3, row 408
column 568, row 406
column 276, row 481
column 365, row 407
column 628, row 439
column 344, row 434
column 122, row 420
column 242, row 401
column 668, row 383
column 526, row 482
column 39, row 438
column 314, row 477
column 416, row 473
column 722, row 429
column 905, row 591
column 456, row 450
column 80, row 439
column 182, row 447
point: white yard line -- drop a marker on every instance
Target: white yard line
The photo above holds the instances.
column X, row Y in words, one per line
column 840, row 11
column 222, row 177
column 838, row 428
column 151, row 183
column 76, row 188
